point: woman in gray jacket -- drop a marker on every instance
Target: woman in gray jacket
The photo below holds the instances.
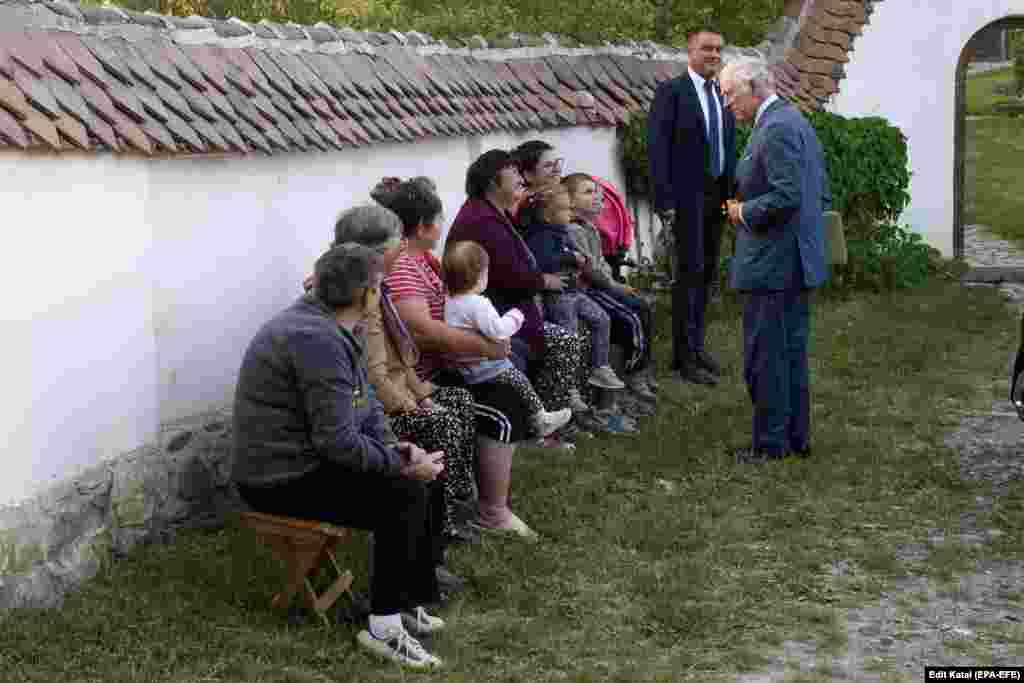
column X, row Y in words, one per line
column 312, row 441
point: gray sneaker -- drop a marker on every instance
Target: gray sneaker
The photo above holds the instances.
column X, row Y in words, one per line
column 605, row 378
column 398, row 646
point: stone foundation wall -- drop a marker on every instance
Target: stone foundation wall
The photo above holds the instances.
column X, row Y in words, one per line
column 54, row 542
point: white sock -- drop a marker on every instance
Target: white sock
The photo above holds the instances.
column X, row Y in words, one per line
column 380, row 626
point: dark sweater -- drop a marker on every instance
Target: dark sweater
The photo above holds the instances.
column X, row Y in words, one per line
column 303, row 398
column 513, row 277
column 553, row 247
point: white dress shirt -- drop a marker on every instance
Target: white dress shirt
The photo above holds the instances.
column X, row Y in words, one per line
column 702, row 95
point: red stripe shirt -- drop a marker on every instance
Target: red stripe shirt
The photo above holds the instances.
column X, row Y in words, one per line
column 413, row 276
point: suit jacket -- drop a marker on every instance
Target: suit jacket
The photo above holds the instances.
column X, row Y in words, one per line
column 679, row 160
column 1018, row 365
column 783, row 185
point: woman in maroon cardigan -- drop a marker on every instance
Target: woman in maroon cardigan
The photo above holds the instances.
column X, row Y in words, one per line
column 550, row 353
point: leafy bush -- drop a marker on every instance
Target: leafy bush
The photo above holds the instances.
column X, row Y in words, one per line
column 894, row 258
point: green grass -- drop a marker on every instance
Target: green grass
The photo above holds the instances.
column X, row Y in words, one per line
column 981, row 95
column 632, row 581
column 993, row 192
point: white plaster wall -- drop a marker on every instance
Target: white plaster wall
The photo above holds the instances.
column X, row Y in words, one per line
column 903, row 68
column 134, row 285
column 78, row 366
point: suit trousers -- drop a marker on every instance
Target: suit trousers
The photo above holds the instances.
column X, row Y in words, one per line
column 694, row 277
column 404, row 516
column 776, row 326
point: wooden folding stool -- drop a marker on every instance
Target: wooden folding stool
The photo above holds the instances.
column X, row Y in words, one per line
column 303, row 545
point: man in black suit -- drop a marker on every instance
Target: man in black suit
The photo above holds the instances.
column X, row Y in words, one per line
column 691, row 143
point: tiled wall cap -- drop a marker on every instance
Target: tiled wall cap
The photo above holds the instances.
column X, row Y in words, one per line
column 190, row 22
column 364, row 48
column 327, row 29
column 400, row 37
column 149, row 19
column 276, row 29
column 67, row 9
column 509, row 42
column 476, row 42
column 350, row 35
column 231, row 29
column 100, row 16
column 293, row 31
column 322, row 33
column 416, row 39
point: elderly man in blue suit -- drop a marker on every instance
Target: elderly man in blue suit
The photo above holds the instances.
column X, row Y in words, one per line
column 782, row 193
column 691, row 143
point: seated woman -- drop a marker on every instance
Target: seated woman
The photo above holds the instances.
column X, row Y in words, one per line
column 539, row 166
column 416, row 287
column 632, row 317
column 436, row 418
column 550, row 354
column 311, row 441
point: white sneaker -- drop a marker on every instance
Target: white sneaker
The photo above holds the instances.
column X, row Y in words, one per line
column 605, row 378
column 399, row 647
column 419, row 622
column 576, row 402
column 544, row 422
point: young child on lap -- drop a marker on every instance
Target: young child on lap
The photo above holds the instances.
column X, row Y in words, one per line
column 465, row 268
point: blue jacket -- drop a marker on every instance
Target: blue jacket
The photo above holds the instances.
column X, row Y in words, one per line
column 553, row 247
column 783, row 185
column 303, row 397
column 678, row 161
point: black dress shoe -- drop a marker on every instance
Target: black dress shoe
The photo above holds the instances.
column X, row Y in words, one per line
column 708, row 362
column 696, row 374
column 750, row 456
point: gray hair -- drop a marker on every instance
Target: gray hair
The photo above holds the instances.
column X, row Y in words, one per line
column 752, row 75
column 370, row 225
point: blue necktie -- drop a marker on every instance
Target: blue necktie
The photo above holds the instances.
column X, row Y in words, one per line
column 716, row 157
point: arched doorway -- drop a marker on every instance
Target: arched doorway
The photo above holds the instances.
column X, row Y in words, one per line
column 969, row 140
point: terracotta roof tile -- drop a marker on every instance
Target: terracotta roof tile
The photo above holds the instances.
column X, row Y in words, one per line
column 231, row 135
column 13, row 100
column 132, row 134
column 12, row 132
column 44, row 128
column 22, row 50
column 209, row 134
column 253, row 137
column 36, row 92
column 69, row 99
column 79, row 53
column 59, row 62
column 160, row 136
column 105, row 55
column 103, row 132
column 141, row 90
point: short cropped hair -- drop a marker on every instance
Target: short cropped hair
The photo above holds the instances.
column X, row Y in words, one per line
column 751, row 74
column 528, row 154
column 484, row 170
column 464, row 261
column 415, row 202
column 343, row 271
column 695, row 31
column 370, row 225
